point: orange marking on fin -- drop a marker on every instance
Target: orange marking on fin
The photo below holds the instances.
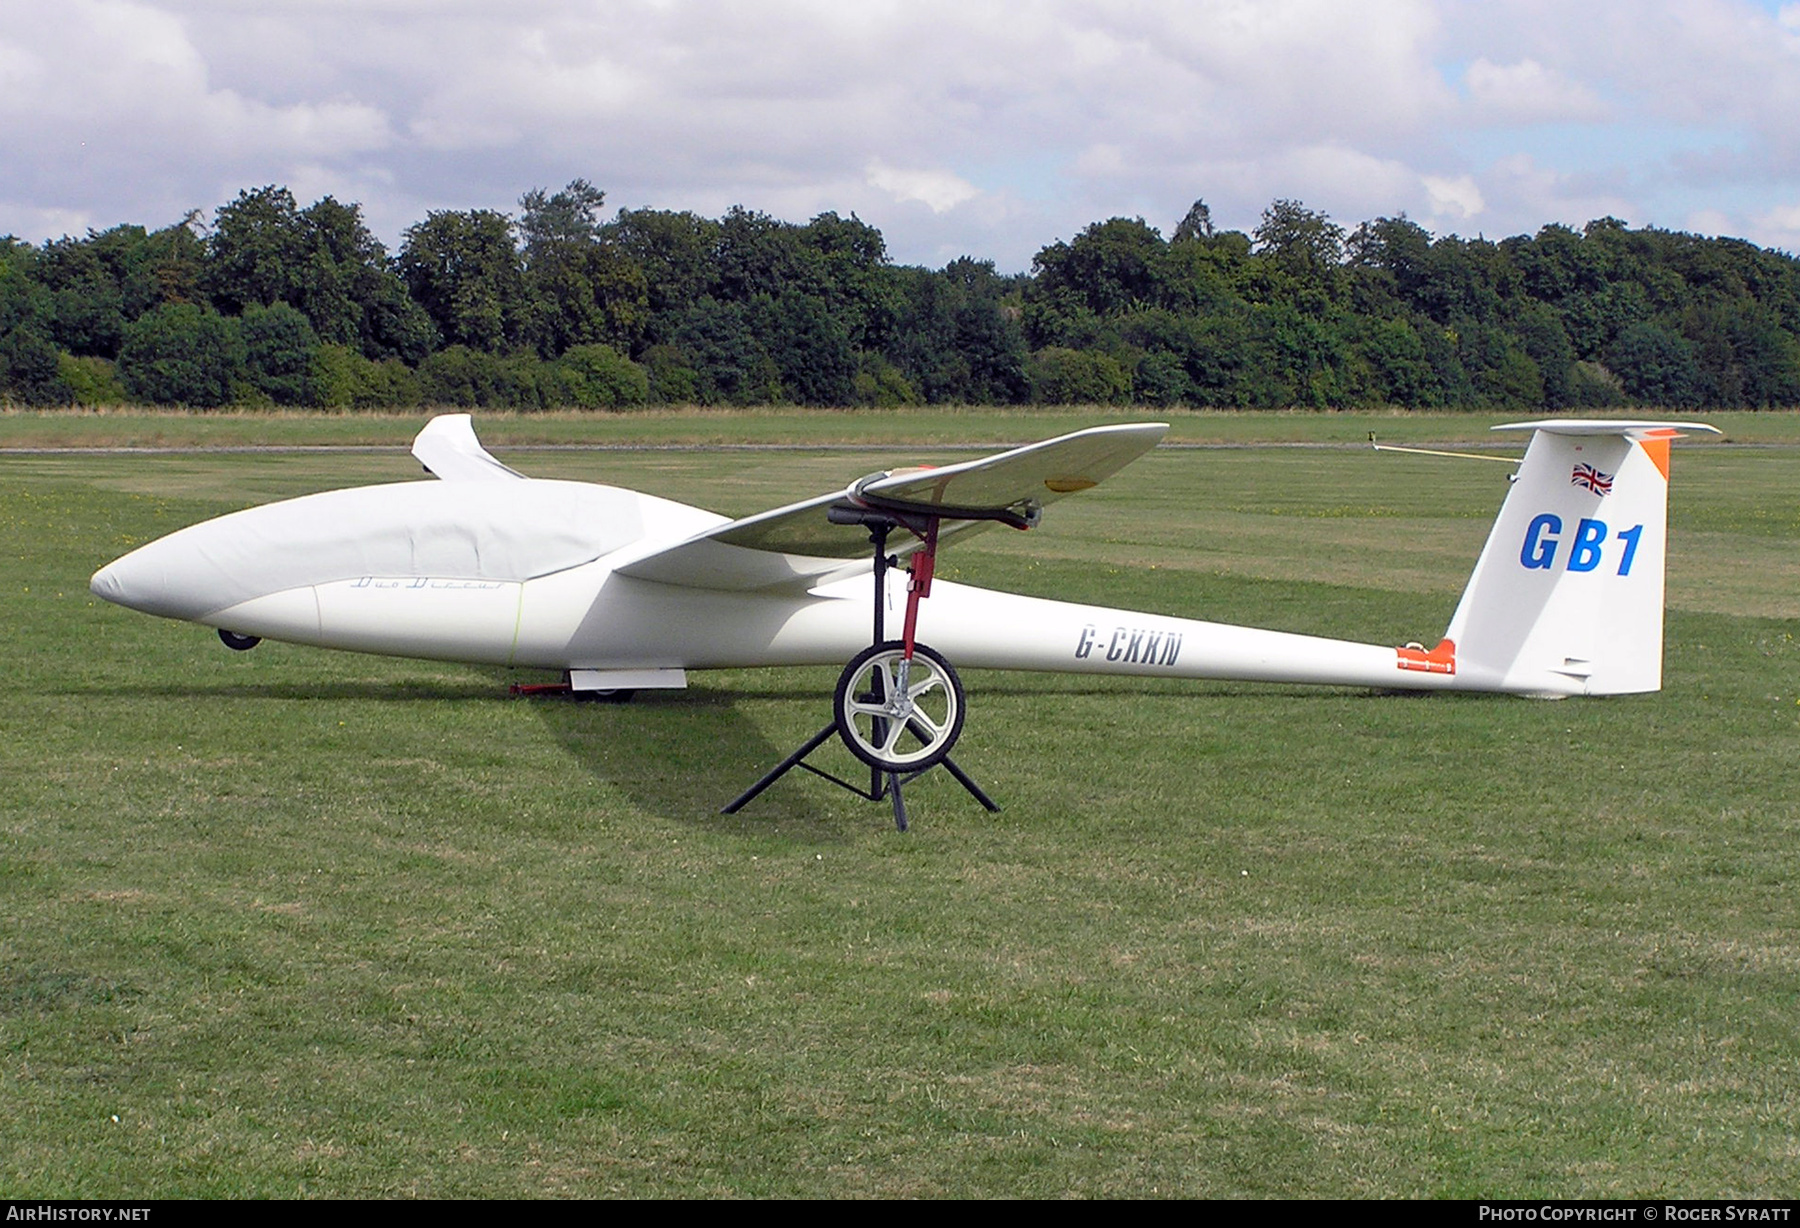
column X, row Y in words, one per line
column 1440, row 660
column 1657, row 449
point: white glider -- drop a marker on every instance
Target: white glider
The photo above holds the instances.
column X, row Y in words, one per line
column 625, row 590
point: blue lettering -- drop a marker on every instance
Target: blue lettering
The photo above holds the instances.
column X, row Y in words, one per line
column 1539, row 551
column 1085, row 644
column 1630, row 538
column 1584, row 554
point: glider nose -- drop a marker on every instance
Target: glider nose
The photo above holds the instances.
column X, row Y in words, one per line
column 166, row 577
column 110, row 585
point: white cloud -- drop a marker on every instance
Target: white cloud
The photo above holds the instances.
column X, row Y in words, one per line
column 1459, row 197
column 1103, row 160
column 1063, row 112
column 1528, row 92
column 939, row 191
column 1673, row 68
column 1709, row 221
column 118, row 70
column 109, row 113
column 1777, row 227
column 26, row 218
column 1350, row 184
column 1527, row 195
column 1782, row 217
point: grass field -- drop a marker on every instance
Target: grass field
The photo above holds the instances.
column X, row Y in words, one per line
column 781, row 426
column 292, row 922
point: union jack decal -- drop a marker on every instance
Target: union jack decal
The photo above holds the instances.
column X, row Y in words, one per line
column 1590, row 477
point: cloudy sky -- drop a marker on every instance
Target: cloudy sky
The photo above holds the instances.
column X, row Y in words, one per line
column 960, row 127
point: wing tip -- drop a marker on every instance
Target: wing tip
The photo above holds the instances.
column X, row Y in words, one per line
column 449, row 449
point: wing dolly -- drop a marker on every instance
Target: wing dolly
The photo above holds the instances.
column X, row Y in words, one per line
column 896, row 688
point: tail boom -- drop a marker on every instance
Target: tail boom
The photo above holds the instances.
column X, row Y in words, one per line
column 983, row 629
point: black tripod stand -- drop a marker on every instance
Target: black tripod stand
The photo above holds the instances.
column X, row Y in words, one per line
column 891, row 688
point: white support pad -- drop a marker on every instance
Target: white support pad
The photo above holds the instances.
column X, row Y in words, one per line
column 627, row 679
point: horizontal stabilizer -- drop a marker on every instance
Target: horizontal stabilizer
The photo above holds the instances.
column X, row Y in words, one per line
column 1629, row 428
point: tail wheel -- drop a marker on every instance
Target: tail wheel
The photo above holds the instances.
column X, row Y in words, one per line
column 895, row 714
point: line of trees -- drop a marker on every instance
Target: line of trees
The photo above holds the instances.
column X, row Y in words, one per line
column 273, row 304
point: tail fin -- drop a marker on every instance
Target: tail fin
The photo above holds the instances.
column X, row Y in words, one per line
column 1567, row 598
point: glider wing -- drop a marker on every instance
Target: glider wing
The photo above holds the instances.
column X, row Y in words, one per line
column 799, row 545
column 447, row 447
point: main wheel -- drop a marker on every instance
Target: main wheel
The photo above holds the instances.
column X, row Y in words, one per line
column 895, row 725
column 238, row 643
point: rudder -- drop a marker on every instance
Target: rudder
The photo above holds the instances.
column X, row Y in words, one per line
column 1567, row 597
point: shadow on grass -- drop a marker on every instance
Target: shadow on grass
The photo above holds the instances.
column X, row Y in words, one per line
column 678, row 755
column 381, row 692
column 682, row 755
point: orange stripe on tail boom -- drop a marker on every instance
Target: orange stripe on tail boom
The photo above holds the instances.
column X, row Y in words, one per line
column 1440, row 660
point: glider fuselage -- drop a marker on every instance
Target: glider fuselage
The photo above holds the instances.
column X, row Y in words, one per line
column 526, row 574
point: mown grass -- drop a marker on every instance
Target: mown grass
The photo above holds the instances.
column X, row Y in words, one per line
column 970, row 426
column 294, row 922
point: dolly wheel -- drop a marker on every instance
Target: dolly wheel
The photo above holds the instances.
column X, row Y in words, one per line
column 898, row 715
